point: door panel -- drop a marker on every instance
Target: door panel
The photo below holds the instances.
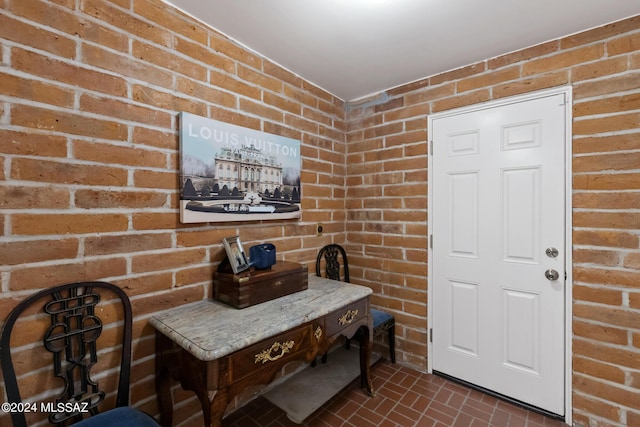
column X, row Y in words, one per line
column 498, row 201
column 464, row 316
column 463, row 209
column 521, row 213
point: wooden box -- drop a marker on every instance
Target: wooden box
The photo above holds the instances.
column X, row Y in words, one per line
column 255, row 286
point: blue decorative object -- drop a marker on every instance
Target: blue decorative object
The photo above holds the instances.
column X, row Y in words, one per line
column 262, row 256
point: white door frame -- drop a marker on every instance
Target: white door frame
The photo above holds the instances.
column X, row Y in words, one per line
column 567, row 90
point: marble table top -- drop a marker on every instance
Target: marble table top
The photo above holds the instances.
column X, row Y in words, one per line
column 209, row 329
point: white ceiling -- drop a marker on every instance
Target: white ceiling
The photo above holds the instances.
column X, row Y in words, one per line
column 356, row 48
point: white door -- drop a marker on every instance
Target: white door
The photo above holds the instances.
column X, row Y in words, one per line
column 498, row 224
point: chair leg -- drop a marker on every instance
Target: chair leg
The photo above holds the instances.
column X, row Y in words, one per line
column 392, row 342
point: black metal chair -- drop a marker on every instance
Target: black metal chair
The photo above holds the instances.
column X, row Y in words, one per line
column 71, row 335
column 334, row 269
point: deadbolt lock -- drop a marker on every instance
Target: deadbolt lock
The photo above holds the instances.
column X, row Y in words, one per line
column 551, row 252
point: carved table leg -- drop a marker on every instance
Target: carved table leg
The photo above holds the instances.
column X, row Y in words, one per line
column 215, row 402
column 365, row 360
column 163, row 391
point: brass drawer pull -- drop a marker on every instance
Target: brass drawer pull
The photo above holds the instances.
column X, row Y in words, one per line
column 269, row 356
column 348, row 317
column 318, row 333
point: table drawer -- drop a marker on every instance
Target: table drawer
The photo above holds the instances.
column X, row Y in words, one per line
column 340, row 319
column 271, row 353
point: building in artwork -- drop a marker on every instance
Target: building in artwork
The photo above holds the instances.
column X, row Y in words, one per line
column 247, row 169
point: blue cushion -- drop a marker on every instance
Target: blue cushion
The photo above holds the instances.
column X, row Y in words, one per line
column 379, row 317
column 124, row 416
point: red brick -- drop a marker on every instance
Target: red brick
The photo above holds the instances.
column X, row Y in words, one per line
column 63, row 72
column 34, row 90
column 156, row 221
column 618, row 201
column 165, row 59
column 599, row 69
column 47, row 14
column 489, row 79
column 634, row 300
column 145, row 284
column 599, row 333
column 28, row 35
column 162, row 301
column 36, row 197
column 103, row 11
column 260, row 110
column 22, row 252
column 606, row 238
column 626, row 44
column 28, row 169
column 601, row 33
column 201, row 53
column 603, row 276
column 190, row 238
column 632, row 260
column 32, row 143
column 607, row 391
column 459, row 73
column 41, row 277
column 621, row 220
column 524, row 54
column 118, row 109
column 563, row 59
column 633, row 418
column 596, row 407
column 104, row 199
column 72, row 123
column 153, row 179
column 205, row 92
column 536, row 82
column 53, row 224
column 155, row 138
column 589, row 256
column 603, row 144
column 611, row 123
column 469, row 98
column 125, row 65
column 613, row 105
column 180, row 23
column 288, row 77
column 597, row 295
column 118, row 154
column 234, row 85
column 611, row 85
column 194, row 275
column 619, row 181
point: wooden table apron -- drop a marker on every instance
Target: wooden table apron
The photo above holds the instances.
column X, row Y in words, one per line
column 217, row 351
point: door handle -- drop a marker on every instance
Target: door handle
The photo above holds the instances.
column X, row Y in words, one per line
column 551, row 274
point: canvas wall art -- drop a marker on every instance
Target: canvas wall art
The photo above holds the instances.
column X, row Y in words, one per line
column 231, row 173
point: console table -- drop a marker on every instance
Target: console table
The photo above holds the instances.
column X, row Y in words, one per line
column 217, row 351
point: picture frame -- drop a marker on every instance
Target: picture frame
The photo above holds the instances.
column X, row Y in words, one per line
column 235, row 254
column 232, row 173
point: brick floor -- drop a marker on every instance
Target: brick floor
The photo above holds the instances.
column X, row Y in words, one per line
column 404, row 397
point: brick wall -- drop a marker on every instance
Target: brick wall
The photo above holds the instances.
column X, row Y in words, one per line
column 387, row 201
column 89, row 96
